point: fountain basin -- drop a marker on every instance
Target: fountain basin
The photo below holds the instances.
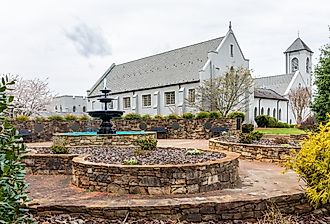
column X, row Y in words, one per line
column 121, row 138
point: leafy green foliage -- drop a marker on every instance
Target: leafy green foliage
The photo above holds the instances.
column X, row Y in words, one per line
column 146, row 143
column 202, row 114
column 132, row 116
column 256, row 135
column 248, row 138
column 312, row 164
column 236, row 114
column 265, row 121
column 84, row 117
column 194, row 152
column 262, row 121
column 173, row 116
column 188, row 115
column 40, row 118
column 247, row 128
column 131, row 161
column 71, row 117
column 146, row 117
column 321, row 102
column 22, row 118
column 159, row 117
column 13, row 187
column 59, row 146
column 215, row 114
column 56, row 117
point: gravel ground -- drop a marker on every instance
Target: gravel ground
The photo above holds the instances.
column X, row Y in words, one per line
column 158, row 156
column 305, row 219
column 269, row 142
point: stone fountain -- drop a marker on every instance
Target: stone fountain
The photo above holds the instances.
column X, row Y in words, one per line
column 106, row 115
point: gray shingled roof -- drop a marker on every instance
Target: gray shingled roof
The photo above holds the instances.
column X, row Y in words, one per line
column 172, row 67
column 268, row 94
column 278, row 83
column 298, row 45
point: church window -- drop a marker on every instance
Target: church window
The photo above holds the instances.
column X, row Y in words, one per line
column 55, row 108
column 191, row 95
column 279, row 114
column 60, row 108
column 169, row 98
column 307, row 65
column 294, row 64
column 146, row 100
column 255, row 112
column 74, row 109
column 231, row 50
column 290, row 121
column 274, row 113
column 262, row 111
column 84, row 108
column 127, row 102
column 268, row 111
column 93, row 105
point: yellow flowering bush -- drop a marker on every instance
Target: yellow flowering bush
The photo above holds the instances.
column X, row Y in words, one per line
column 312, row 164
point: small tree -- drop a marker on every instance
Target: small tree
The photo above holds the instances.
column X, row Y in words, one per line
column 321, row 104
column 30, row 96
column 231, row 91
column 300, row 99
column 12, row 172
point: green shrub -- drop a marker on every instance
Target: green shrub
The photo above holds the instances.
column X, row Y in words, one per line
column 245, row 138
column 311, row 163
column 132, row 116
column 146, row 117
column 262, row 121
column 13, row 186
column 22, row 118
column 292, row 126
column 282, row 125
column 173, row 116
column 41, row 118
column 131, row 161
column 159, row 117
column 272, row 122
column 236, row 114
column 56, row 117
column 71, row 117
column 256, row 135
column 215, row 114
column 59, row 146
column 84, row 117
column 194, row 152
column 188, row 115
column 146, row 143
column 247, row 128
column 202, row 114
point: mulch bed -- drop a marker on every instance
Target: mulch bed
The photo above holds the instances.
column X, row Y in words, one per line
column 268, row 142
column 160, row 156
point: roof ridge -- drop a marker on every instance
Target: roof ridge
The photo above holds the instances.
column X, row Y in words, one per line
column 271, row 76
column 171, row 50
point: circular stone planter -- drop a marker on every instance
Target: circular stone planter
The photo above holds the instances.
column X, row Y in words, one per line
column 270, row 153
column 156, row 179
column 99, row 139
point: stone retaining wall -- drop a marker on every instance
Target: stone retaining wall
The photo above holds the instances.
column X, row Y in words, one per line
column 99, row 140
column 192, row 210
column 252, row 151
column 49, row 164
column 156, row 179
column 291, row 137
column 176, row 128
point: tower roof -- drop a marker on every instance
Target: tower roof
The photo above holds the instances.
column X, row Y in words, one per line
column 298, row 45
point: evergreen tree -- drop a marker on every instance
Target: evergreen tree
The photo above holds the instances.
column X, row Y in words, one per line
column 321, row 104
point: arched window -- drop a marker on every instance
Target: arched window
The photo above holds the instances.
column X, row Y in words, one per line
column 279, row 114
column 290, row 121
column 60, row 108
column 307, row 65
column 84, row 108
column 274, row 113
column 255, row 112
column 262, row 110
column 268, row 111
column 74, row 109
column 294, row 64
column 55, row 108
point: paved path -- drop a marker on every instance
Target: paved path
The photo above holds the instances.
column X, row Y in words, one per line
column 259, row 180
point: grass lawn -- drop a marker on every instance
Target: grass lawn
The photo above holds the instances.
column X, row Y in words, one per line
column 279, row 131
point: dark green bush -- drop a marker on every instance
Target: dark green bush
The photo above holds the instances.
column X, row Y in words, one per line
column 159, row 117
column 22, row 118
column 132, row 116
column 173, row 116
column 262, row 121
column 188, row 115
column 84, row 117
column 56, row 117
column 215, row 114
column 247, row 128
column 71, row 117
column 256, row 135
column 236, row 114
column 146, row 143
column 202, row 114
column 146, row 117
column 272, row 122
column 59, row 146
column 282, row 125
column 245, row 138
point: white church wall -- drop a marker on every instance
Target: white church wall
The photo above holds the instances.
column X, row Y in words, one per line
column 265, row 105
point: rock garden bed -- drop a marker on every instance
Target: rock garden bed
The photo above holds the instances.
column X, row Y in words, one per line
column 264, row 141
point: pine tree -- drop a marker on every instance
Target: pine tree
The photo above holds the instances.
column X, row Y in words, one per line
column 321, row 104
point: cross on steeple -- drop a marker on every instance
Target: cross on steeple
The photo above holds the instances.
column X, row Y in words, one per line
column 230, row 25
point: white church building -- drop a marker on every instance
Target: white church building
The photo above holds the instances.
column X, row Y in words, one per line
column 163, row 83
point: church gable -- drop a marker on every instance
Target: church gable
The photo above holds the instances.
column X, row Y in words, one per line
column 172, row 67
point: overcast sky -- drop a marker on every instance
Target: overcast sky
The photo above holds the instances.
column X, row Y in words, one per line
column 73, row 42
